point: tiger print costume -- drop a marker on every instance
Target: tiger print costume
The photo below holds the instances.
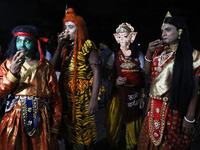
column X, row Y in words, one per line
column 82, row 130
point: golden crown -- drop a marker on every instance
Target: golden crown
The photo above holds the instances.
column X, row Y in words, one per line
column 168, row 15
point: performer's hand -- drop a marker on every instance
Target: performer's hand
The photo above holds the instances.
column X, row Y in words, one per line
column 62, row 37
column 121, row 81
column 17, row 62
column 142, row 103
column 153, row 46
column 93, row 106
column 187, row 127
column 54, row 142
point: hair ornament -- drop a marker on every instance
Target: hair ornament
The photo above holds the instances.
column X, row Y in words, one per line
column 168, row 15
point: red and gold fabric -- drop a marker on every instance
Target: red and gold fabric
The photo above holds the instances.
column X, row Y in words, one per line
column 173, row 138
column 161, row 126
column 130, row 93
column 157, row 118
column 130, row 69
column 83, row 129
column 122, row 111
column 38, row 81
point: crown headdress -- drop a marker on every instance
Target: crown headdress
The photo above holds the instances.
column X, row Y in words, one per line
column 168, row 15
column 124, row 27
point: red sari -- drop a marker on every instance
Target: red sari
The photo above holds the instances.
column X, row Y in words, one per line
column 161, row 127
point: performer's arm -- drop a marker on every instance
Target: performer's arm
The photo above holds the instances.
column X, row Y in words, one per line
column 148, row 58
column 9, row 73
column 7, row 82
column 188, row 127
column 56, row 103
column 94, row 63
column 56, row 59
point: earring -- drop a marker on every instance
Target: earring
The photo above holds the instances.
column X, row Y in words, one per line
column 179, row 33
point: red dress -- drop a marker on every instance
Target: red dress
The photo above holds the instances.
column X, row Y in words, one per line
column 122, row 111
column 161, row 125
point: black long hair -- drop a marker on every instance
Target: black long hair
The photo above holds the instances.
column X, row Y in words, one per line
column 182, row 82
column 12, row 45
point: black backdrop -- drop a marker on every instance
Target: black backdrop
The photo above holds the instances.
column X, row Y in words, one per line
column 102, row 18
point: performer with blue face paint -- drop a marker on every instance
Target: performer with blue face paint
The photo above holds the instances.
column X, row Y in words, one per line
column 33, row 111
column 26, row 43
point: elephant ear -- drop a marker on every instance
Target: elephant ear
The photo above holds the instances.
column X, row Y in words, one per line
column 116, row 35
column 133, row 35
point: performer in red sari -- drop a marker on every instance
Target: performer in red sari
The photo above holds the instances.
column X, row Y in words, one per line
column 123, row 111
column 174, row 66
column 33, row 111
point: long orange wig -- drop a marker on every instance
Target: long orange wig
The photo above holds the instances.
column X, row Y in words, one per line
column 80, row 37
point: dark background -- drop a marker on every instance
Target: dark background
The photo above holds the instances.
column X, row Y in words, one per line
column 102, row 18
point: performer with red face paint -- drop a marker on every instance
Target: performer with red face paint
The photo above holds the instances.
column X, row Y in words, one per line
column 124, row 110
column 34, row 107
column 175, row 69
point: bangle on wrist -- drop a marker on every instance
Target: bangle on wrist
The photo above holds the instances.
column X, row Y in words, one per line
column 189, row 120
column 149, row 60
column 148, row 56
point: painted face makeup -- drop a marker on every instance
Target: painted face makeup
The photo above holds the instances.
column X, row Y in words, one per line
column 169, row 34
column 124, row 39
column 26, row 44
column 70, row 30
column 125, row 35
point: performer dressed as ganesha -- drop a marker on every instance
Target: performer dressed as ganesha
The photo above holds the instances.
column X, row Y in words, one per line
column 124, row 110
